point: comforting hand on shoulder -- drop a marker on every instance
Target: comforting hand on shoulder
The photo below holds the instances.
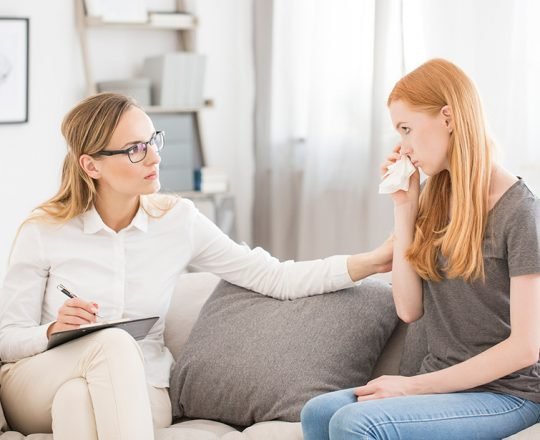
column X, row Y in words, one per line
column 386, row 386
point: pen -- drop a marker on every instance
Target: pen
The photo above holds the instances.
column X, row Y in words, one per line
column 66, row 292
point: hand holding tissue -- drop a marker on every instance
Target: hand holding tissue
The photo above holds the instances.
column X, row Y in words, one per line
column 397, row 177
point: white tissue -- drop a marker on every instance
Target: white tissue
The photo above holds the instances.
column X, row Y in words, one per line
column 397, row 176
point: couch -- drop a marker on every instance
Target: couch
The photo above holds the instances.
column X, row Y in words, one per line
column 191, row 293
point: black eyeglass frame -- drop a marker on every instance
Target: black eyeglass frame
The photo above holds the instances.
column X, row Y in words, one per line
column 127, row 150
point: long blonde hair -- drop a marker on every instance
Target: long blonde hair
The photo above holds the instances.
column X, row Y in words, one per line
column 88, row 129
column 453, row 206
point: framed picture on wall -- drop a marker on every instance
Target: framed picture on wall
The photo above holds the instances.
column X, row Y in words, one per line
column 14, row 48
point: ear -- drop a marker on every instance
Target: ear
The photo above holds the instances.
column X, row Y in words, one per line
column 446, row 113
column 90, row 166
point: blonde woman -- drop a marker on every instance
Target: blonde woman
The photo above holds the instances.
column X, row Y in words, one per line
column 120, row 248
column 467, row 259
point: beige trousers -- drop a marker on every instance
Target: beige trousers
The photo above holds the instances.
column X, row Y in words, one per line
column 90, row 388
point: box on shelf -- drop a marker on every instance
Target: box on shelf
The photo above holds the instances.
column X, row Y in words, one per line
column 177, row 79
column 137, row 88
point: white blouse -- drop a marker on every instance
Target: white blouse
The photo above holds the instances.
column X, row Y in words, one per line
column 133, row 273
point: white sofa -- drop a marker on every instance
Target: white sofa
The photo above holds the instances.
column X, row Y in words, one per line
column 191, row 293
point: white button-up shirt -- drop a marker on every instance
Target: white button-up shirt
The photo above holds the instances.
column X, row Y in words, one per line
column 132, row 274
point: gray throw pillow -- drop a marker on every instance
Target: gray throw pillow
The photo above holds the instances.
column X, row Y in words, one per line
column 251, row 358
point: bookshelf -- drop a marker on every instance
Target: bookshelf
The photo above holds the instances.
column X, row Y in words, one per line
column 182, row 125
column 178, row 21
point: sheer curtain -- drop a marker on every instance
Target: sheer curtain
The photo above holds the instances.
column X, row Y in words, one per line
column 324, row 71
column 496, row 43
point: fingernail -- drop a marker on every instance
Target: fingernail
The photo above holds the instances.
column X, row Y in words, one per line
column 94, row 310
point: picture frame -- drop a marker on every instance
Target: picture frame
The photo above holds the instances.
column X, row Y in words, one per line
column 14, row 69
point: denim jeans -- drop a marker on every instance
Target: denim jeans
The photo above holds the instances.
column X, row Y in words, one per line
column 463, row 416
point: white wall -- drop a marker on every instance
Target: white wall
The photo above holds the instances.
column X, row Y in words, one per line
column 32, row 153
column 226, row 36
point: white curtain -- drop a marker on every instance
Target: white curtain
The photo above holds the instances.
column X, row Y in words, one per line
column 324, row 71
column 497, row 43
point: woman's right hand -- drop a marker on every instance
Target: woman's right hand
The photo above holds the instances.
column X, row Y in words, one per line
column 401, row 197
column 73, row 313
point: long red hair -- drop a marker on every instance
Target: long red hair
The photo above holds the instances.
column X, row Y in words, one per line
column 453, row 205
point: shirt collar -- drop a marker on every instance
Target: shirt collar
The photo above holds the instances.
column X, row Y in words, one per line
column 93, row 223
column 140, row 221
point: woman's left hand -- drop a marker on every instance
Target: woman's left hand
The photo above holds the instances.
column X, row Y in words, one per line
column 386, row 386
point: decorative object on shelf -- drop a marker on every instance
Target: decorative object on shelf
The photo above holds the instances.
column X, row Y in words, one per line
column 117, row 11
column 177, row 79
column 137, row 88
column 14, row 48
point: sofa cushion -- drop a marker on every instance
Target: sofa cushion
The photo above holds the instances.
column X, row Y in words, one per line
column 252, row 358
column 194, row 430
column 191, row 292
column 3, row 423
column 275, row 430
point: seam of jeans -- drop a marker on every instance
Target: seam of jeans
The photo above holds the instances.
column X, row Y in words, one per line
column 433, row 419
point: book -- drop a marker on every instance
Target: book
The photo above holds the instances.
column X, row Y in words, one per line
column 138, row 328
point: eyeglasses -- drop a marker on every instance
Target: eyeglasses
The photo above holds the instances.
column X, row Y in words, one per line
column 137, row 152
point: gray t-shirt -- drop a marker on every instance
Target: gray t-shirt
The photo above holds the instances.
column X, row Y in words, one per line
column 463, row 318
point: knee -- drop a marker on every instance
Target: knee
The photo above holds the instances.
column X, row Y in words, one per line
column 315, row 409
column 113, row 343
column 350, row 421
column 114, row 339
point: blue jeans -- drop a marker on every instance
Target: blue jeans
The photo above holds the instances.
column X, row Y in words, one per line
column 464, row 416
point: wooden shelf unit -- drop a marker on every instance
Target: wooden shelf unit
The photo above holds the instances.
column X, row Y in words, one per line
column 186, row 40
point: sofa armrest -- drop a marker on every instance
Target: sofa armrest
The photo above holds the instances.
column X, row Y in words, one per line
column 191, row 292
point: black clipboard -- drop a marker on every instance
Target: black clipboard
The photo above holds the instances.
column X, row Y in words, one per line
column 138, row 328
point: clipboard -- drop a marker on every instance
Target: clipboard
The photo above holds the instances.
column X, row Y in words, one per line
column 138, row 328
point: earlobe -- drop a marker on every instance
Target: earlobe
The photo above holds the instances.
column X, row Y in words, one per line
column 90, row 166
